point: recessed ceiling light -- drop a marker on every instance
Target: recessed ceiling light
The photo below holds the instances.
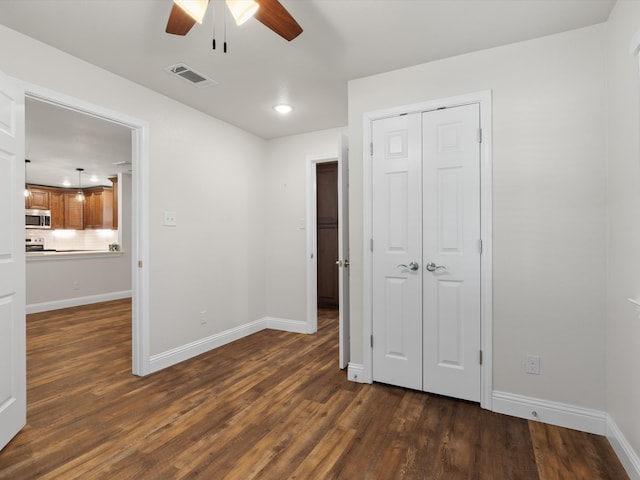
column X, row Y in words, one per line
column 93, row 179
column 283, row 108
column 66, row 183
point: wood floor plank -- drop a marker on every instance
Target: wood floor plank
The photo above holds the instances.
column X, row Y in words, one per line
column 559, row 450
column 273, row 405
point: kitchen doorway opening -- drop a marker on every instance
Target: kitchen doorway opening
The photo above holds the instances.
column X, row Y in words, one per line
column 133, row 214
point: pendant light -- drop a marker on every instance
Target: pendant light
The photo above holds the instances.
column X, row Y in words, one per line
column 80, row 194
column 27, row 192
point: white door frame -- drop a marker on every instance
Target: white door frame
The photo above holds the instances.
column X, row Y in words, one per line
column 483, row 98
column 140, row 207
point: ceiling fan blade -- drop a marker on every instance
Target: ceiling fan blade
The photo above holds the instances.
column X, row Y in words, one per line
column 180, row 22
column 274, row 16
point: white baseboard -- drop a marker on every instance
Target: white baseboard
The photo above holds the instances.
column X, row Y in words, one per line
column 76, row 302
column 355, row 372
column 190, row 350
column 295, row 326
column 554, row 413
column 628, row 457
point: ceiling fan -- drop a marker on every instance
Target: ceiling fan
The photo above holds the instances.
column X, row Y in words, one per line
column 271, row 13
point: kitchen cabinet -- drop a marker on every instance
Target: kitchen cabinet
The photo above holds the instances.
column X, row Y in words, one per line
column 99, row 210
column 98, row 207
column 38, row 198
column 73, row 212
column 56, row 205
column 114, row 180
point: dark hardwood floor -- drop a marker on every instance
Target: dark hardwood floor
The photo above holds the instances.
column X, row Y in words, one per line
column 270, row 406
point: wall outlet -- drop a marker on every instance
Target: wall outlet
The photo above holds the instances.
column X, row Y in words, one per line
column 169, row 219
column 75, row 285
column 203, row 317
column 533, row 364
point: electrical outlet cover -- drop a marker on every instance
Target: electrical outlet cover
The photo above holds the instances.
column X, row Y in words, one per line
column 169, row 219
column 533, row 364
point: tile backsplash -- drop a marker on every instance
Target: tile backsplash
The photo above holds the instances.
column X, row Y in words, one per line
column 75, row 239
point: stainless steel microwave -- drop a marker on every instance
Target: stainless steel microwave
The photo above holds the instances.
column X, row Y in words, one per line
column 37, row 218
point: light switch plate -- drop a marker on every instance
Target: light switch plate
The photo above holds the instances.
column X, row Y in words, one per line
column 169, row 219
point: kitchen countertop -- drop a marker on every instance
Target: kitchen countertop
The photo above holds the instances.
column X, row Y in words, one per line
column 75, row 254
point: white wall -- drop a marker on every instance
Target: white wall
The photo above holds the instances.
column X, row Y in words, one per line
column 285, row 201
column 549, row 152
column 623, row 248
column 50, row 281
column 197, row 165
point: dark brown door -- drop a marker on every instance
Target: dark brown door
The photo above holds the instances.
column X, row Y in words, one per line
column 327, row 228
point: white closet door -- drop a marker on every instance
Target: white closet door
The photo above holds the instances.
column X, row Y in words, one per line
column 451, row 235
column 397, row 234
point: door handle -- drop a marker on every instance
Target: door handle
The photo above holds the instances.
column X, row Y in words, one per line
column 432, row 267
column 340, row 263
column 413, row 266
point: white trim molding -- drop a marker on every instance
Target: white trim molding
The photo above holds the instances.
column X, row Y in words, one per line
column 484, row 99
column 628, row 457
column 554, row 413
column 286, row 325
column 77, row 301
column 355, row 373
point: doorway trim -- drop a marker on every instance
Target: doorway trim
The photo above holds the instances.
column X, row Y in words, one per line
column 312, row 239
column 484, row 99
column 139, row 209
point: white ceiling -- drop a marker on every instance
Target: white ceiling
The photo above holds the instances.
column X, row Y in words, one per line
column 59, row 140
column 342, row 40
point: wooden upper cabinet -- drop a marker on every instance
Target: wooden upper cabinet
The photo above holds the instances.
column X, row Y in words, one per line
column 98, row 207
column 73, row 212
column 99, row 210
column 38, row 198
column 56, row 205
column 114, row 180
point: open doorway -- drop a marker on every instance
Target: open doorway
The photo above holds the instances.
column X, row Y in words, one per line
column 334, row 261
column 79, row 175
column 130, row 203
column 327, row 237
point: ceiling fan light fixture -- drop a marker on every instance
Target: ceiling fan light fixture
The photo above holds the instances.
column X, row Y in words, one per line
column 242, row 10
column 194, row 8
column 283, row 108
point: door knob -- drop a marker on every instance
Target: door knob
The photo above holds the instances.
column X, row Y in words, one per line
column 339, row 263
column 413, row 266
column 432, row 267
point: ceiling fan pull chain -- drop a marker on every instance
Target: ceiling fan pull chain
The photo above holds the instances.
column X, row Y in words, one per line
column 213, row 16
column 224, row 15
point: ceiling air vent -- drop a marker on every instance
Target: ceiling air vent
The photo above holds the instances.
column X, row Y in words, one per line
column 188, row 74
